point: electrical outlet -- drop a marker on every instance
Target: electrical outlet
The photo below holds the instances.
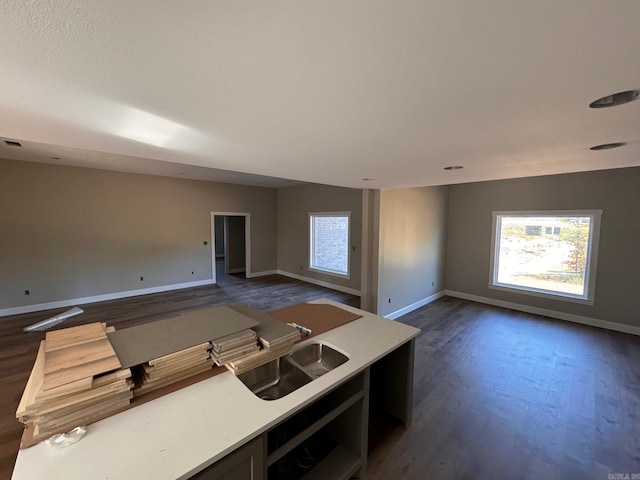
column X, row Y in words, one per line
column 191, row 273
column 27, row 292
column 389, row 300
column 142, row 279
column 205, row 243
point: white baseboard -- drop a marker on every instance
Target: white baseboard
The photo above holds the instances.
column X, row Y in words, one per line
column 72, row 302
column 320, row 283
column 262, row 274
column 593, row 322
column 414, row 306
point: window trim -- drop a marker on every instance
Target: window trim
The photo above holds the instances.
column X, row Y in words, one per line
column 592, row 256
column 311, row 252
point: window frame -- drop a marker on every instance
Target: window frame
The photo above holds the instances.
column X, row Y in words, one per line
column 311, row 254
column 588, row 298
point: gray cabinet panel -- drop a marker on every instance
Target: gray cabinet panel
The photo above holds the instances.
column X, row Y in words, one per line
column 246, row 463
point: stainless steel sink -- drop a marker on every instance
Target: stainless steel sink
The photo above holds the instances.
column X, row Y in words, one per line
column 275, row 379
column 316, row 359
column 286, row 374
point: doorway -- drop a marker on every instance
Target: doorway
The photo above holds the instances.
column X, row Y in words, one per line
column 231, row 242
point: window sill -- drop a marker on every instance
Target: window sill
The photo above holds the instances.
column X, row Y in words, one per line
column 329, row 272
column 541, row 293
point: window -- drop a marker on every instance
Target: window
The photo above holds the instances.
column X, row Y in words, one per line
column 560, row 264
column 329, row 242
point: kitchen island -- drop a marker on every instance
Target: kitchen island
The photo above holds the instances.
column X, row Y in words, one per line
column 218, row 428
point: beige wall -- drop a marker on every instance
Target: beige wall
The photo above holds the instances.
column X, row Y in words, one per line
column 294, row 206
column 412, row 240
column 616, row 192
column 69, row 232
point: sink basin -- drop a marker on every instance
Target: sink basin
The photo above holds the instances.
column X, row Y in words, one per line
column 316, row 359
column 275, row 379
column 286, row 374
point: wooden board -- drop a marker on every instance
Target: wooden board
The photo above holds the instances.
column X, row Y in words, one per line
column 270, row 331
column 34, row 384
column 319, row 317
column 74, row 354
column 67, row 415
column 82, row 420
column 157, row 372
column 189, row 353
column 108, row 378
column 68, row 337
column 34, row 400
column 72, row 374
column 256, row 359
column 139, row 344
column 150, row 385
column 74, row 387
column 232, row 355
column 47, row 412
column 180, row 362
column 78, row 399
column 234, row 340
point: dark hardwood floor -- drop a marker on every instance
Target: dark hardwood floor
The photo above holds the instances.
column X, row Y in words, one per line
column 501, row 394
column 498, row 393
column 18, row 349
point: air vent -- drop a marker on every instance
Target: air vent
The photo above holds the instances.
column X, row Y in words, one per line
column 616, row 99
column 607, row 146
column 11, row 143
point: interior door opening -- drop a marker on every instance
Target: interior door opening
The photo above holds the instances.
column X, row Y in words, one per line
column 230, row 244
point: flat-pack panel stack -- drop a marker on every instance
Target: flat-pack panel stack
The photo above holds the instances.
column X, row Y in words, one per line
column 76, row 379
column 276, row 339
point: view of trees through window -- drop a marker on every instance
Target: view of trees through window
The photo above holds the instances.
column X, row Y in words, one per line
column 543, row 252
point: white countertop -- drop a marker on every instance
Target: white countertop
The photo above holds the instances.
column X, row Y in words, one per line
column 179, row 434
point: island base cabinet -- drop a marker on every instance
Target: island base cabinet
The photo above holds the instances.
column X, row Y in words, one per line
column 330, row 438
column 326, row 440
column 392, row 384
column 246, row 463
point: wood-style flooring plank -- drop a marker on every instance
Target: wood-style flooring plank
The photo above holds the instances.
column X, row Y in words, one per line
column 505, row 394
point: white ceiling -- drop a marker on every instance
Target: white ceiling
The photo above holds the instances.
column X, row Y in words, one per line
column 327, row 92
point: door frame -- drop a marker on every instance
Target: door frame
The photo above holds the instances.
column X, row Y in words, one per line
column 247, row 241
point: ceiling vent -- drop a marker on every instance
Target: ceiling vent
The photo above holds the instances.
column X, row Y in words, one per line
column 11, row 143
column 616, row 99
column 607, row 146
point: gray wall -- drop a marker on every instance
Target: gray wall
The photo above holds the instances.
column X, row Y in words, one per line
column 69, row 232
column 294, row 206
column 616, row 192
column 412, row 241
